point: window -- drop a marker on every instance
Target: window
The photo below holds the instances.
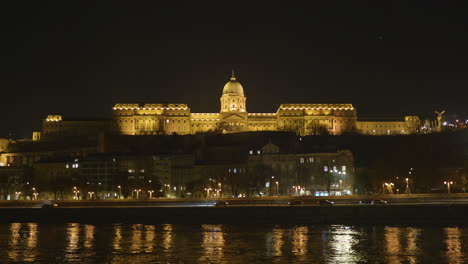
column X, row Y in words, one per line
column 343, row 168
column 301, row 160
column 311, row 159
column 325, row 168
column 251, row 152
column 258, row 152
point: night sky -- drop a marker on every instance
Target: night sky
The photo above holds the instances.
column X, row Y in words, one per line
column 77, row 59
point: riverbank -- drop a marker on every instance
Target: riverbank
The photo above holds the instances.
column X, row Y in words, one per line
column 456, row 214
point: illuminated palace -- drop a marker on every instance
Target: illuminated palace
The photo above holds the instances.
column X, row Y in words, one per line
column 303, row 119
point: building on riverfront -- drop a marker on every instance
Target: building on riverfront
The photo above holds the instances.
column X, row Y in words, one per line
column 170, row 118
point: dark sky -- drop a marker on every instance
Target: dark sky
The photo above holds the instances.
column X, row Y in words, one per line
column 78, row 58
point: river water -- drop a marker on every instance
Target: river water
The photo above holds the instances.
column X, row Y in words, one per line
column 137, row 243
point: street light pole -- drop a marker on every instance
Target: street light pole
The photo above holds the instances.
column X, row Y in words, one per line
column 277, row 188
column 341, row 187
column 407, row 190
column 448, row 183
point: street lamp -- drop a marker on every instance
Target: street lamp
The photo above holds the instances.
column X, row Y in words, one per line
column 137, row 192
column 448, row 183
column 277, row 188
column 150, row 194
column 90, row 195
column 407, row 190
column 296, row 187
column 120, row 191
column 207, row 192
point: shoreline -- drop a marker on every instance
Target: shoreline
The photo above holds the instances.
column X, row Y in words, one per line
column 453, row 214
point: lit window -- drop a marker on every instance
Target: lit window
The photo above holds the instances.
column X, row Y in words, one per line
column 311, row 159
column 301, row 160
column 251, row 152
column 325, row 168
column 343, row 168
column 67, row 166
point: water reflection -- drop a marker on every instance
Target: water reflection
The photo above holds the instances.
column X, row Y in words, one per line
column 150, row 235
column 392, row 244
column 137, row 243
column 167, row 233
column 23, row 242
column 454, row 251
column 136, row 238
column 342, row 241
column 412, row 249
column 299, row 240
column 73, row 237
column 14, row 241
column 212, row 244
column 143, row 238
column 275, row 241
column 116, row 242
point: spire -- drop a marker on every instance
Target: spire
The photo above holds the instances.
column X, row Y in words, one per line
column 233, row 77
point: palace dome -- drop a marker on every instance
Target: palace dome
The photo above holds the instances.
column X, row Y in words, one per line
column 233, row 87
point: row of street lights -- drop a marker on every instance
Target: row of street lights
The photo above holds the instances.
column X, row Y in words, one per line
column 389, row 186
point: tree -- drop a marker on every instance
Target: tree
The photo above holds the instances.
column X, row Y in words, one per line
column 317, row 129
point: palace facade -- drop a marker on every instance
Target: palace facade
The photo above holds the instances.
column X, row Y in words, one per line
column 167, row 118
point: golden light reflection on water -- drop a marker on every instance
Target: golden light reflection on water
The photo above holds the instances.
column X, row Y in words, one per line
column 116, row 242
column 392, row 244
column 300, row 240
column 14, row 241
column 150, row 235
column 73, row 237
column 212, row 244
column 454, row 251
column 167, row 233
column 122, row 243
column 412, row 249
column 136, row 242
column 89, row 236
column 342, row 241
column 143, row 238
column 32, row 236
column 278, row 241
column 23, row 244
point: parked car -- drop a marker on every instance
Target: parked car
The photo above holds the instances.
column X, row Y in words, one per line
column 373, row 202
column 50, row 205
column 296, row 202
column 325, row 203
column 379, row 202
column 221, row 204
column 367, row 201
